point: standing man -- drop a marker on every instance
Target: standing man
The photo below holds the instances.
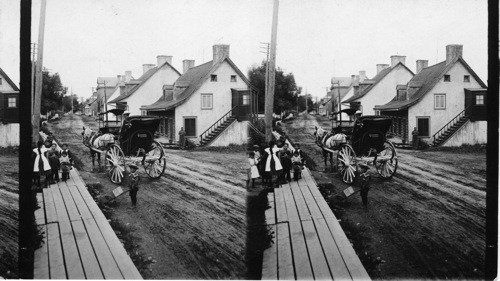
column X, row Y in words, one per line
column 364, row 182
column 182, row 138
column 133, row 183
column 414, row 136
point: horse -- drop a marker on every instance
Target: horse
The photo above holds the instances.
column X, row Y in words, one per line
column 330, row 141
column 96, row 140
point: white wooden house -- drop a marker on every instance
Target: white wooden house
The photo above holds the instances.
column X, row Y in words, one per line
column 380, row 89
column 446, row 102
column 9, row 111
column 211, row 102
column 148, row 88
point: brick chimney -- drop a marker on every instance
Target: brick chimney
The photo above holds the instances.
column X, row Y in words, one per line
column 128, row 76
column 453, row 52
column 381, row 67
column 397, row 59
column 187, row 64
column 421, row 64
column 119, row 77
column 147, row 67
column 162, row 59
column 221, row 51
column 362, row 75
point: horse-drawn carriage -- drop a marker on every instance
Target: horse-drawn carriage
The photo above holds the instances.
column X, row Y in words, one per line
column 364, row 142
column 134, row 141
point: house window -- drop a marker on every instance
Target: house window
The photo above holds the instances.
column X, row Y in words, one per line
column 377, row 112
column 144, row 112
column 440, row 101
column 0, row 81
column 233, row 78
column 190, row 126
column 206, row 101
column 467, row 78
column 246, row 99
column 12, row 102
column 423, row 126
column 213, row 78
column 447, row 78
column 479, row 99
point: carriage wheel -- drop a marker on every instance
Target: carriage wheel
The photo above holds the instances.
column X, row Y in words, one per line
column 387, row 161
column 154, row 161
column 115, row 163
column 346, row 161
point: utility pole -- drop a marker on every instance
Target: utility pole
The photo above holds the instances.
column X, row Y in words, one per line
column 272, row 74
column 39, row 76
column 33, row 67
column 71, row 100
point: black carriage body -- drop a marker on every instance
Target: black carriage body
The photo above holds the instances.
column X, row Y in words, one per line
column 137, row 132
column 369, row 134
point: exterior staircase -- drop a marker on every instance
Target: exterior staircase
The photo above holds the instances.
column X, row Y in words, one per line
column 216, row 131
column 449, row 129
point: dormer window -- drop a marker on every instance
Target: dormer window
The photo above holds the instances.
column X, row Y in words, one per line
column 447, row 78
column 0, row 81
column 213, row 78
column 467, row 78
column 233, row 78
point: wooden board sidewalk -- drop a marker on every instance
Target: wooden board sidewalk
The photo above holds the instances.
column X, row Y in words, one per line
column 78, row 242
column 308, row 241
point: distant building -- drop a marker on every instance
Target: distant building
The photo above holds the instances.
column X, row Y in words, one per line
column 445, row 101
column 212, row 102
column 379, row 89
column 9, row 111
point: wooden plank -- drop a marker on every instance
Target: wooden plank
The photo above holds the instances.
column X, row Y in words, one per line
column 325, row 209
column 87, row 255
column 75, row 176
column 291, row 208
column 356, row 269
column 311, row 183
column 333, row 256
column 56, row 257
column 279, row 201
column 285, row 261
column 71, row 208
column 62, row 213
column 270, row 213
column 270, row 259
column 313, row 207
column 300, row 202
column 82, row 207
column 50, row 208
column 302, row 264
column 40, row 212
column 89, row 201
column 127, row 267
column 41, row 257
column 316, row 254
column 71, row 256
column 108, row 265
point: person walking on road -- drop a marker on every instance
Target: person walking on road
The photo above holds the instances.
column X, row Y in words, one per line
column 133, row 183
column 41, row 165
column 182, row 138
column 414, row 136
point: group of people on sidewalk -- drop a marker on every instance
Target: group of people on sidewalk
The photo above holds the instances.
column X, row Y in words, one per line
column 275, row 160
column 49, row 160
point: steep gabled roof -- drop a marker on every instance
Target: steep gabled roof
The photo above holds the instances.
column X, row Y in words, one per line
column 428, row 78
column 7, row 78
column 193, row 79
column 148, row 74
column 375, row 80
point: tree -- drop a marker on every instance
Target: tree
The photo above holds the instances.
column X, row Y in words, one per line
column 302, row 103
column 67, row 100
column 52, row 92
column 285, row 91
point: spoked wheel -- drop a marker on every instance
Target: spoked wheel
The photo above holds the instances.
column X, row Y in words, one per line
column 154, row 161
column 115, row 163
column 346, row 161
column 387, row 161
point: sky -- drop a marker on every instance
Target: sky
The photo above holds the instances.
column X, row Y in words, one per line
column 86, row 39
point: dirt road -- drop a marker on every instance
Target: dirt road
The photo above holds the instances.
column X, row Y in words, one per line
column 189, row 224
column 428, row 221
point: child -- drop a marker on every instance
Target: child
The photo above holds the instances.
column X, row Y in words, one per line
column 253, row 172
column 286, row 163
column 133, row 183
column 273, row 164
column 297, row 148
column 65, row 165
column 41, row 164
column 53, row 155
column 70, row 156
column 297, row 165
column 364, row 182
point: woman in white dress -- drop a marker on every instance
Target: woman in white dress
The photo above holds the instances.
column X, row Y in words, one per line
column 273, row 164
column 253, row 171
column 41, row 165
